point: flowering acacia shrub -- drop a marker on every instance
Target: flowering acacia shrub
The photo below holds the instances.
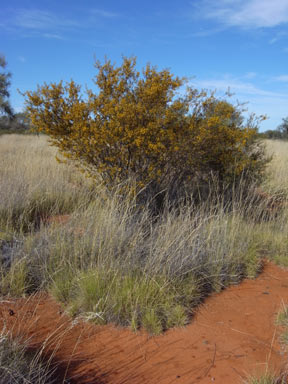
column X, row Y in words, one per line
column 137, row 126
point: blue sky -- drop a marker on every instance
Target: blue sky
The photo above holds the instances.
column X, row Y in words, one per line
column 241, row 44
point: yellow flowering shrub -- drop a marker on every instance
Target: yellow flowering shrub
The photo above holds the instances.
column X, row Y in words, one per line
column 136, row 125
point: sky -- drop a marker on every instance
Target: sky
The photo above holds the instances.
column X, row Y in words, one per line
column 240, row 45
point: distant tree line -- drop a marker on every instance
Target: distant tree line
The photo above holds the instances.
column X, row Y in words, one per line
column 17, row 123
column 9, row 120
column 280, row 133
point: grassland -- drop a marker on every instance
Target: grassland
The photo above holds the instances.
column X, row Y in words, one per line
column 107, row 260
column 121, row 264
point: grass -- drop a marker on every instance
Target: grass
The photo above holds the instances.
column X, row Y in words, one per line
column 130, row 300
column 282, row 319
column 277, row 169
column 268, row 377
column 107, row 251
column 33, row 185
column 18, row 365
column 114, row 262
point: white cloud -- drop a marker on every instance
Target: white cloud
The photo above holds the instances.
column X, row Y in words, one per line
column 52, row 36
column 261, row 101
column 105, row 14
column 49, row 24
column 250, row 75
column 282, row 78
column 40, row 20
column 273, row 41
column 237, row 86
column 247, row 13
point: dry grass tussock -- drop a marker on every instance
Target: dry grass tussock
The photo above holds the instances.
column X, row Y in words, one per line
column 19, row 365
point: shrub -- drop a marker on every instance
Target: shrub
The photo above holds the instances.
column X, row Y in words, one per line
column 138, row 127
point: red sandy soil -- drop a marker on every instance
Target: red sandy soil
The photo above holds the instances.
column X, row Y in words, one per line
column 233, row 335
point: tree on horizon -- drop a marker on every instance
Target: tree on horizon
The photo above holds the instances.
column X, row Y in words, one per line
column 5, row 106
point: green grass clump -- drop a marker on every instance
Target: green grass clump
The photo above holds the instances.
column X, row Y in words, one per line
column 15, row 281
column 133, row 300
column 282, row 317
column 284, row 337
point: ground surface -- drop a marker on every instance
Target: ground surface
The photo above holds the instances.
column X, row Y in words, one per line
column 233, row 335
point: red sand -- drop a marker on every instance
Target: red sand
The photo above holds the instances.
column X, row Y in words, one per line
column 233, row 335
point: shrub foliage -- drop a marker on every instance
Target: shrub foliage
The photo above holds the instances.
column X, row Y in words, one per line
column 145, row 127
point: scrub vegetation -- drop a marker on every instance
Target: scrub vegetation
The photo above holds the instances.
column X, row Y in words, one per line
column 176, row 199
column 109, row 260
